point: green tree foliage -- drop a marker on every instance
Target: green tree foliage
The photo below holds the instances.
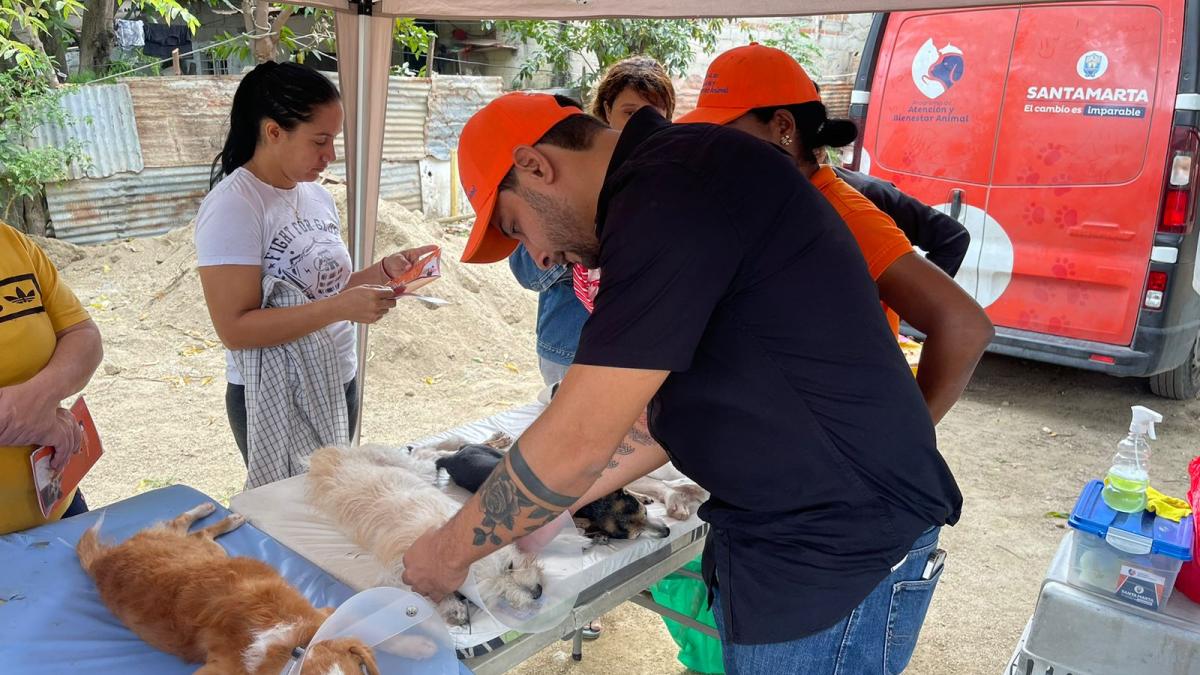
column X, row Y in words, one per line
column 28, row 100
column 599, row 44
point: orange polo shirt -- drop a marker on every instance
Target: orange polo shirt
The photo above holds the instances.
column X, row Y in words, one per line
column 882, row 243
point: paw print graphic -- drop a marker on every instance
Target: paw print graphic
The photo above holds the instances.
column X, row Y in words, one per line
column 1034, row 214
column 1078, row 295
column 909, row 157
column 1063, row 268
column 1028, row 319
column 1057, row 324
column 1060, row 181
column 1066, row 217
column 1028, row 177
column 1044, row 292
column 1050, row 154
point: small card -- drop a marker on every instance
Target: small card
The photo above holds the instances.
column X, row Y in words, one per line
column 427, row 268
column 53, row 486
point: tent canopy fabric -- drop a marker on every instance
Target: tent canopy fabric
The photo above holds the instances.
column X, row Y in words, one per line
column 364, row 30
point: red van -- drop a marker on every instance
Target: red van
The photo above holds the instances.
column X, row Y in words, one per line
column 1064, row 137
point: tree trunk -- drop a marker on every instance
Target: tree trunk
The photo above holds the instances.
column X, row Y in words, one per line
column 257, row 15
column 59, row 39
column 25, row 214
column 266, row 46
column 96, row 36
column 562, row 72
column 36, row 219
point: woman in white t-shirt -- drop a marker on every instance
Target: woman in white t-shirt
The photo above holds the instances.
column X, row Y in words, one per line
column 267, row 216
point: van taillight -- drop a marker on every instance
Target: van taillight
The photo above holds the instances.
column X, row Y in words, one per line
column 1156, row 287
column 1178, row 194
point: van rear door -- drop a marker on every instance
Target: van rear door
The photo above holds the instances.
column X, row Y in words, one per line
column 1079, row 162
column 934, row 114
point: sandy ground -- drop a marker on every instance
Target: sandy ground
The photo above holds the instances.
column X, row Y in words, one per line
column 1021, row 443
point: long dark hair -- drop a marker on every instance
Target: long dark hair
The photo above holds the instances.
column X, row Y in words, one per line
column 813, row 126
column 284, row 92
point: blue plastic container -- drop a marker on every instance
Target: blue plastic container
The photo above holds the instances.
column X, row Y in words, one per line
column 1132, row 557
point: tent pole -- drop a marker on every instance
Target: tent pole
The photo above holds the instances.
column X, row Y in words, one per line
column 362, row 252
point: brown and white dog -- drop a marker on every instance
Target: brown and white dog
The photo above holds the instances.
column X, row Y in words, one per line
column 183, row 594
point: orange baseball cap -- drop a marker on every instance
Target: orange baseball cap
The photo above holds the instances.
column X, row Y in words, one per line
column 745, row 78
column 485, row 151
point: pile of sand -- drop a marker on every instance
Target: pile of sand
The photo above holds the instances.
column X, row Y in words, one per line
column 158, row 399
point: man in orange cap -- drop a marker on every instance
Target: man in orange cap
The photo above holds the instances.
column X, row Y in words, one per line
column 737, row 307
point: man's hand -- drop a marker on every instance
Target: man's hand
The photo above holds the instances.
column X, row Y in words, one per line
column 545, row 472
column 427, row 570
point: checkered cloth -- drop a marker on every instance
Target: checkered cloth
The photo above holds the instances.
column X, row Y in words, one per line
column 295, row 400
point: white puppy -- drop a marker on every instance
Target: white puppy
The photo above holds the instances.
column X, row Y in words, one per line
column 385, row 499
column 668, row 485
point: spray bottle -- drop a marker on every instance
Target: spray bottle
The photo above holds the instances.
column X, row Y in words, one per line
column 1125, row 489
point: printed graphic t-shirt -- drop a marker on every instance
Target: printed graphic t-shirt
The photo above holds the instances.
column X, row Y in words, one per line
column 292, row 234
column 34, row 306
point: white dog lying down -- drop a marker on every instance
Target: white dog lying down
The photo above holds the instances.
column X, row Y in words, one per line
column 385, row 499
column 668, row 486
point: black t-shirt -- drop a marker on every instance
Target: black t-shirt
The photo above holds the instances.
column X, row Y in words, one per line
column 943, row 238
column 789, row 399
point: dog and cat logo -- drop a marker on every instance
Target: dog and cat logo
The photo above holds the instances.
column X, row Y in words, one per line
column 20, row 296
column 935, row 70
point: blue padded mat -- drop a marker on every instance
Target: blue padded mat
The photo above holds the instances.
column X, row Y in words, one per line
column 51, row 617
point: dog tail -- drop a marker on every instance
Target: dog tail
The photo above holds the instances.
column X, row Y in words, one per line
column 89, row 547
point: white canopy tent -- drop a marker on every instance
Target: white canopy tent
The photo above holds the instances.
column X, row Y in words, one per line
column 364, row 36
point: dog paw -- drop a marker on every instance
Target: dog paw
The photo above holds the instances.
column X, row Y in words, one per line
column 677, row 506
column 453, row 610
column 205, row 509
column 235, row 520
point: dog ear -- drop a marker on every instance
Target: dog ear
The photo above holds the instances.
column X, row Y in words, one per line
column 366, row 659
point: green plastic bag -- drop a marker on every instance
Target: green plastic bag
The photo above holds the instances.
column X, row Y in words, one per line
column 689, row 597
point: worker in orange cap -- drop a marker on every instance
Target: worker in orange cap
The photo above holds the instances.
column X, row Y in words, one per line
column 737, row 306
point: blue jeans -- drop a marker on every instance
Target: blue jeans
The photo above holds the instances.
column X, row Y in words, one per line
column 552, row 373
column 78, row 505
column 878, row 636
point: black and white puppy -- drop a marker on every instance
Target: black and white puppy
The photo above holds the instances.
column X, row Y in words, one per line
column 617, row 515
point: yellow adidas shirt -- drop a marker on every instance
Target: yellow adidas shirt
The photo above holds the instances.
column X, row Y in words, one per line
column 34, row 306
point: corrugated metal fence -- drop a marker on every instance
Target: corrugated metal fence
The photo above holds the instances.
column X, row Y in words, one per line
column 151, row 142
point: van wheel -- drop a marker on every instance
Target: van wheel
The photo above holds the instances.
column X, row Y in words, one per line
column 1182, row 383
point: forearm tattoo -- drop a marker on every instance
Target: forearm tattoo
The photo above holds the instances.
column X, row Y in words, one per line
column 640, row 435
column 514, row 492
